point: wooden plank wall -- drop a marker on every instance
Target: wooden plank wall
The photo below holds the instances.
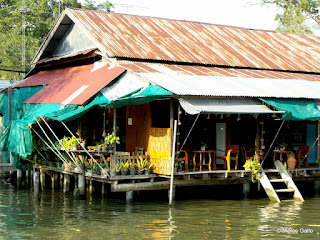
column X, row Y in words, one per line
column 138, row 132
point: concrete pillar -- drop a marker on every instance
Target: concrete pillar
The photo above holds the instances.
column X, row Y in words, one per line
column 129, row 196
column 36, row 183
column 81, row 184
column 316, row 188
column 246, row 190
column 66, row 183
column 42, row 179
column 19, row 177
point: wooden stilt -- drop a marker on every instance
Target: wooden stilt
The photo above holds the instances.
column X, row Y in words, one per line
column 66, row 183
column 42, row 179
column 36, row 183
column 81, row 184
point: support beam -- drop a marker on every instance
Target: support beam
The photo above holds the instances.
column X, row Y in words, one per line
column 66, row 183
column 42, row 179
column 246, row 190
column 129, row 196
column 19, row 177
column 54, row 180
column 36, row 183
column 81, row 184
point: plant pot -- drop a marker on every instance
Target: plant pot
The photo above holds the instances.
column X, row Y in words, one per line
column 102, row 173
column 113, row 174
column 291, row 163
column 203, row 148
column 139, row 172
column 132, row 172
column 73, row 148
column 67, row 168
column 103, row 149
column 147, row 172
column 97, row 172
column 124, row 172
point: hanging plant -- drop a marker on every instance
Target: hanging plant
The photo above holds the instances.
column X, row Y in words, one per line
column 253, row 164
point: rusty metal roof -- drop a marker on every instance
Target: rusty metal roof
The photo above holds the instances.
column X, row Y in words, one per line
column 72, row 85
column 139, row 37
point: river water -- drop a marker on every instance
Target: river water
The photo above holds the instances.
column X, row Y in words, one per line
column 54, row 215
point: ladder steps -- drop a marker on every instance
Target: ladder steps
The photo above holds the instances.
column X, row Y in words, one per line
column 284, row 190
column 278, row 180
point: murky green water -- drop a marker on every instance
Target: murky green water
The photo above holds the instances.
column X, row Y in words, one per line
column 58, row 216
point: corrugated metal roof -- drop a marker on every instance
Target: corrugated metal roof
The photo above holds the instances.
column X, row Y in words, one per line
column 72, row 85
column 153, row 38
column 143, row 67
column 235, row 86
column 193, row 105
column 5, row 84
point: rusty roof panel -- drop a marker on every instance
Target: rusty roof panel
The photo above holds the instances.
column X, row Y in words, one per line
column 154, row 38
column 174, row 69
column 72, row 85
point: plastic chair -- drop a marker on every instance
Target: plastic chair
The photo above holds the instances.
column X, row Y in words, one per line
column 303, row 153
column 231, row 153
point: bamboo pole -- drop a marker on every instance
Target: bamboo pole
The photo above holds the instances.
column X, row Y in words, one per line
column 84, row 149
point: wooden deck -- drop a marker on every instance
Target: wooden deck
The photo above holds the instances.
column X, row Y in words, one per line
column 182, row 179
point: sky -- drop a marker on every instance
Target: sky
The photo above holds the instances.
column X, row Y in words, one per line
column 240, row 13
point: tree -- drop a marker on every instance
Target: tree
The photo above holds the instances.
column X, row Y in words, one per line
column 40, row 16
column 298, row 16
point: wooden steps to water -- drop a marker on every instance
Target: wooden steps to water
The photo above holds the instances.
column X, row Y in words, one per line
column 285, row 178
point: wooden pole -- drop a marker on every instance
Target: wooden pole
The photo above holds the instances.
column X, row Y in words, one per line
column 172, row 161
column 66, row 183
column 36, row 176
column 114, row 145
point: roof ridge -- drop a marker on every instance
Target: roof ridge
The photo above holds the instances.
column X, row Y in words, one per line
column 170, row 19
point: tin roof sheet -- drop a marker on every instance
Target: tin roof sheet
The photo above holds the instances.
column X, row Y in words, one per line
column 139, row 37
column 72, row 85
column 235, row 86
column 194, row 105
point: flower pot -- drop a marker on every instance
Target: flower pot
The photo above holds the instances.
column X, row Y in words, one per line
column 67, row 167
column 124, row 172
column 203, row 148
column 102, row 173
column 132, row 172
column 104, row 149
column 113, row 174
column 291, row 163
column 73, row 148
column 97, row 172
column 146, row 172
column 139, row 172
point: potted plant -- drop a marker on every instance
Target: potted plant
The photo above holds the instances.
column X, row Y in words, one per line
column 96, row 169
column 132, row 168
column 69, row 143
column 291, row 161
column 111, row 139
column 148, row 167
column 180, row 166
column 124, row 168
column 283, row 146
column 203, row 146
column 104, row 166
column 140, row 165
column 116, row 170
column 253, row 164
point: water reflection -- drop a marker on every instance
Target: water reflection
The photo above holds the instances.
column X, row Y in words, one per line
column 61, row 216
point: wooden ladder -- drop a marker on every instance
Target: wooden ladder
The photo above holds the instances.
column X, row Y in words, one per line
column 284, row 178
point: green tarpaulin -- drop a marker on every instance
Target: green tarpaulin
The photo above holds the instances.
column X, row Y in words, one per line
column 17, row 137
column 296, row 109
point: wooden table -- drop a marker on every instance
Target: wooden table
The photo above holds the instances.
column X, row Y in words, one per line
column 280, row 152
column 202, row 159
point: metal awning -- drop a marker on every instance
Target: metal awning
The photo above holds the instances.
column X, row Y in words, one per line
column 195, row 105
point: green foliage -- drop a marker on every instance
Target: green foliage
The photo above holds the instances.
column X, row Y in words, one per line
column 253, row 164
column 148, row 165
column 124, row 166
column 117, row 168
column 291, row 154
column 141, row 164
column 40, row 16
column 296, row 15
column 67, row 142
column 111, row 138
column 132, row 166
